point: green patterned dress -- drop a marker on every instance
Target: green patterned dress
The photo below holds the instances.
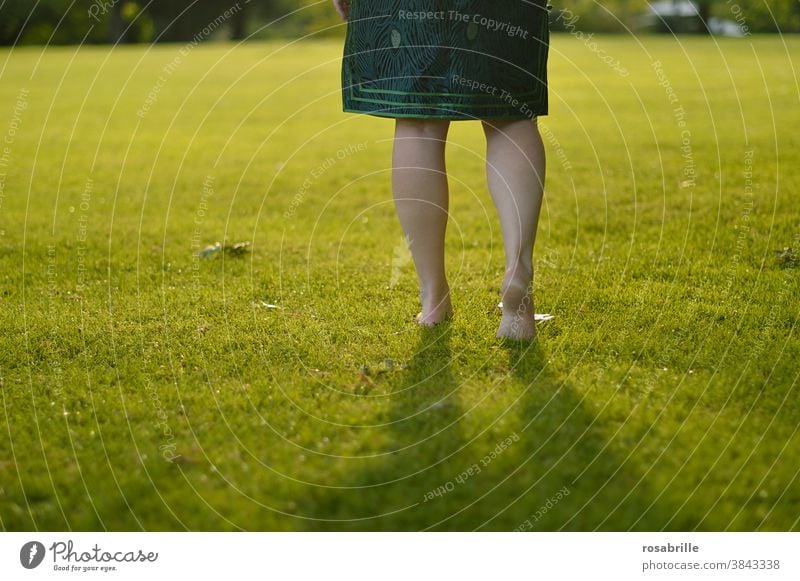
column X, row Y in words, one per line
column 447, row 59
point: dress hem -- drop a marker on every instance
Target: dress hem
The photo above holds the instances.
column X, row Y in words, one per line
column 391, row 115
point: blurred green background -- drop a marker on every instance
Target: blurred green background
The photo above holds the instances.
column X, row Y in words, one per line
column 133, row 21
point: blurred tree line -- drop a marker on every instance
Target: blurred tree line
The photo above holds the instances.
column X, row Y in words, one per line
column 130, row 21
column 626, row 15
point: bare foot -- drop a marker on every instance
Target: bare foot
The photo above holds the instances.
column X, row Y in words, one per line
column 435, row 309
column 518, row 313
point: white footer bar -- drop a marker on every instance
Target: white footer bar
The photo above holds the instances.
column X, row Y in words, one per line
column 401, row 556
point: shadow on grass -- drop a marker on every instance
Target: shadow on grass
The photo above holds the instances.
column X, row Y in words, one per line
column 422, row 434
column 568, row 474
column 525, row 453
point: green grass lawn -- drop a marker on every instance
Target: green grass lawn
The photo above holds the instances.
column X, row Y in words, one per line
column 145, row 387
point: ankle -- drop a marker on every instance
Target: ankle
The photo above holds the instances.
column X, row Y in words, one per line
column 436, row 305
column 436, row 293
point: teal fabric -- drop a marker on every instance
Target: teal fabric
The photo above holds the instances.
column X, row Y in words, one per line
column 447, row 59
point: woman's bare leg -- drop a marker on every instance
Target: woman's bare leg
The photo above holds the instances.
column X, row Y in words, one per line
column 419, row 183
column 515, row 170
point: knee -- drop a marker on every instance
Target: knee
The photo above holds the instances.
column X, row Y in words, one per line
column 511, row 131
column 508, row 126
column 424, row 128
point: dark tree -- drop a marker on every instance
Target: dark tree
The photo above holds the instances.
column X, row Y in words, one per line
column 49, row 21
column 116, row 27
column 239, row 23
column 182, row 20
column 704, row 10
